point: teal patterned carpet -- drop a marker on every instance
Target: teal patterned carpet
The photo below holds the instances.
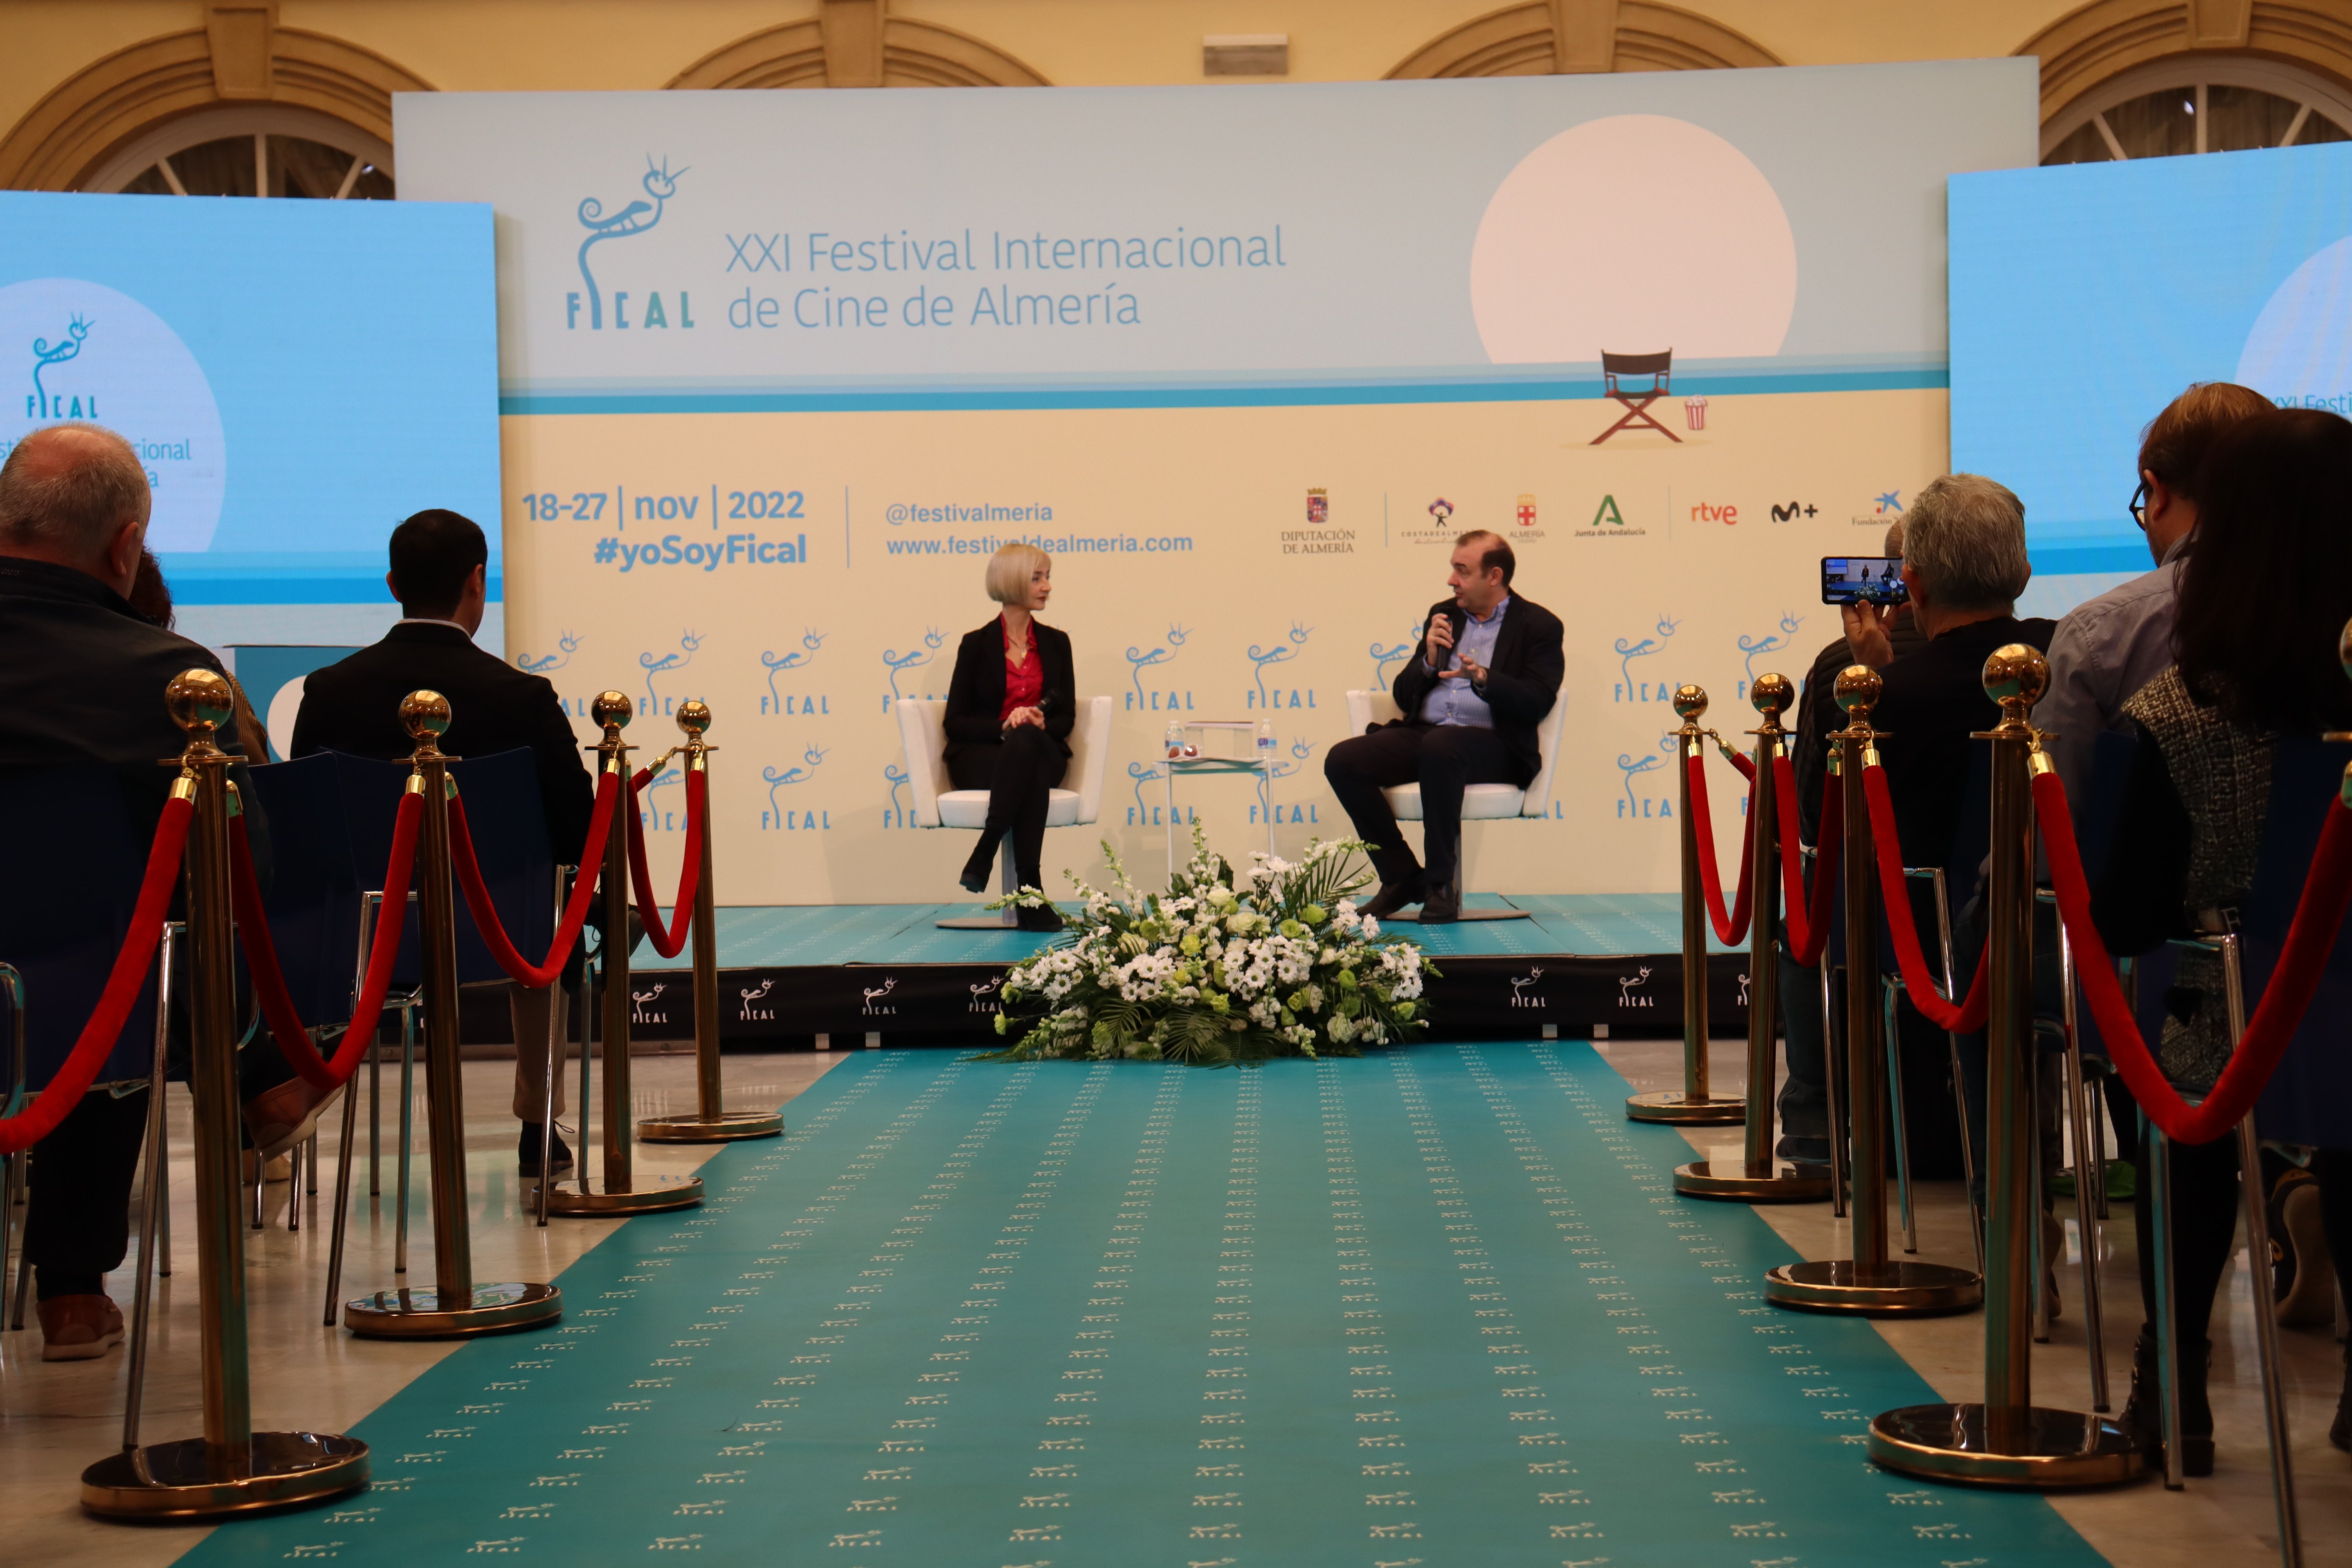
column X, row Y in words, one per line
column 1436, row 1305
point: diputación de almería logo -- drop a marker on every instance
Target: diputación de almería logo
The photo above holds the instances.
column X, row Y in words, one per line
column 634, row 219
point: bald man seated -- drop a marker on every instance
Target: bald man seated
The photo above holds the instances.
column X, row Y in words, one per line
column 81, row 684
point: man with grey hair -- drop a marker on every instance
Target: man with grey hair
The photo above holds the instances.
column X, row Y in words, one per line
column 81, row 684
column 1964, row 565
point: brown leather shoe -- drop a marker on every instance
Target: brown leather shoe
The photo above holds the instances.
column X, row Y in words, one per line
column 79, row 1327
column 278, row 1119
column 1393, row 897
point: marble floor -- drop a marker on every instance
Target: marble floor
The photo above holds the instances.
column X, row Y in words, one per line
column 2227, row 1519
column 57, row 1419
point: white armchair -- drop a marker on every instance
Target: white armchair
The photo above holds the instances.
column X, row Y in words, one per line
column 922, row 729
column 1480, row 802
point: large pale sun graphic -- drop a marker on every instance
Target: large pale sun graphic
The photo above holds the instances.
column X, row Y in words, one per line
column 1635, row 234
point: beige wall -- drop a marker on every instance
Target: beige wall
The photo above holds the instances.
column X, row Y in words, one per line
column 598, row 44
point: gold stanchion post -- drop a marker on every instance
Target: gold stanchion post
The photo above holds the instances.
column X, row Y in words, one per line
column 621, row 1194
column 231, row 1468
column 1758, row 1176
column 1693, row 1105
column 456, row 1307
column 2007, row 1440
column 712, row 1123
column 1870, row 1283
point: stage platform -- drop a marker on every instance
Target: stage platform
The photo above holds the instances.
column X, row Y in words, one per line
column 1586, row 965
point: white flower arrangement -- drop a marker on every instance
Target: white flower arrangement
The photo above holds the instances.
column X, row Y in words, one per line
column 1274, row 960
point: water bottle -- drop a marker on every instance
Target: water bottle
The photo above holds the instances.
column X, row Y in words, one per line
column 1265, row 744
column 1175, row 742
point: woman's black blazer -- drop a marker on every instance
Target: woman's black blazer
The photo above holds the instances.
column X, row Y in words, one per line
column 976, row 692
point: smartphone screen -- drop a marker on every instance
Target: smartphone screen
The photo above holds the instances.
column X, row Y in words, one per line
column 1862, row 580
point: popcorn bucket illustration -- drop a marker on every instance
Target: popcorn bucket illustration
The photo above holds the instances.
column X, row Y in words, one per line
column 1695, row 410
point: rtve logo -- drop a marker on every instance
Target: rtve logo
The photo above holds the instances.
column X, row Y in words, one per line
column 1702, row 512
column 636, row 218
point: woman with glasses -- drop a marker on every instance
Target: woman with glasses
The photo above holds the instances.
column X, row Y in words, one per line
column 2262, row 601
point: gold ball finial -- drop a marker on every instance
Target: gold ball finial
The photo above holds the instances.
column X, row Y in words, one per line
column 1858, row 686
column 694, row 718
column 1690, row 703
column 201, row 700
column 2018, row 673
column 1773, row 694
column 611, row 709
column 423, row 713
column 2344, row 648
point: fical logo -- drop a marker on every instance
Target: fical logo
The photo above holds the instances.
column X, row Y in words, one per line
column 46, row 404
column 633, row 219
column 1629, row 984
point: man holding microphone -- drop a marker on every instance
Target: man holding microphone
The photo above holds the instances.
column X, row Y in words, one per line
column 1486, row 672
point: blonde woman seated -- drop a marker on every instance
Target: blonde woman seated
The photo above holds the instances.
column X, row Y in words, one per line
column 1011, row 706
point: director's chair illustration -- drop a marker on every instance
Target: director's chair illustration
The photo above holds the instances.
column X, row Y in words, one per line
column 1658, row 367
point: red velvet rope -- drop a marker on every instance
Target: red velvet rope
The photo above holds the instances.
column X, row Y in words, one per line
column 575, row 909
column 1731, row 928
column 1741, row 760
column 269, row 981
column 1807, row 914
column 38, row 1120
column 1968, row 1015
column 2318, row 914
column 669, row 940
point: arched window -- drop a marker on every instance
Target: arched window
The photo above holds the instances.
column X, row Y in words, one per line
column 2198, row 103
column 265, row 150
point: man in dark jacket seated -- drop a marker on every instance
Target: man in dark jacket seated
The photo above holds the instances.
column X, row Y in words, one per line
column 1486, row 672
column 1964, row 561
column 84, row 676
column 439, row 573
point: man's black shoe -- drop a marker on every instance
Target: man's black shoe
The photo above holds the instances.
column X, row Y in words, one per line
column 1037, row 917
column 1440, row 910
column 1393, row 897
column 527, row 1152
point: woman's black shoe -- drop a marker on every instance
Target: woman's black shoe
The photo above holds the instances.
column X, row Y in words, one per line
column 974, row 877
column 2143, row 1414
column 2340, row 1433
column 1032, row 917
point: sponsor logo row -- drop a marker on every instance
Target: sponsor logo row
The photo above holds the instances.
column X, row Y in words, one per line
column 1609, row 516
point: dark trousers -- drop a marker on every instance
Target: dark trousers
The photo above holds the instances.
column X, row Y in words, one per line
column 1019, row 774
column 1442, row 759
column 1804, row 1103
column 78, row 1225
column 2206, row 1203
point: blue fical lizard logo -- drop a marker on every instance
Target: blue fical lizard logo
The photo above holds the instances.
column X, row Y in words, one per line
column 636, row 218
column 42, row 405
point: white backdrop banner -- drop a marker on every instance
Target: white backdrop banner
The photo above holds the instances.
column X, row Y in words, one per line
column 780, row 369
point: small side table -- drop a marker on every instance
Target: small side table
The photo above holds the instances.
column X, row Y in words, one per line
column 1261, row 767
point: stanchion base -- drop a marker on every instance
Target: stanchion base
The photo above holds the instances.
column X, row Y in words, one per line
column 978, row 922
column 728, row 1127
column 1668, row 1105
column 1780, row 1182
column 2064, row 1449
column 1898, row 1290
column 667, row 1193
column 408, row 1314
column 174, row 1480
